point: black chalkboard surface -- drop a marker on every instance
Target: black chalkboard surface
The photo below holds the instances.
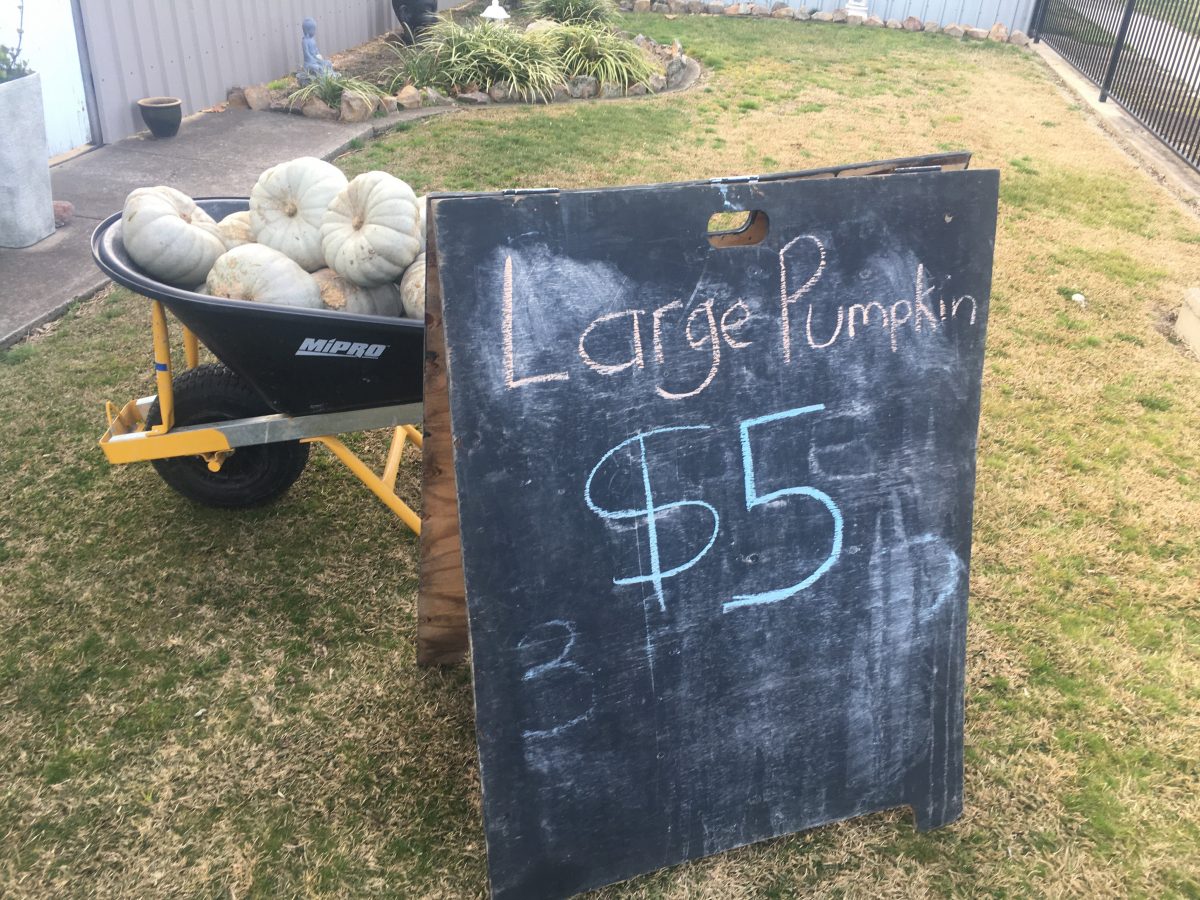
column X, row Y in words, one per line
column 715, row 506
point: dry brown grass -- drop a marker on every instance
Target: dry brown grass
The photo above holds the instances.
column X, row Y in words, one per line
column 201, row 704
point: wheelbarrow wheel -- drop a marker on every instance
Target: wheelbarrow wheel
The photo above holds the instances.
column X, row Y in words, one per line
column 249, row 476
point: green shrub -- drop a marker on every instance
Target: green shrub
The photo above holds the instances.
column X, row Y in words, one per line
column 481, row 54
column 573, row 12
column 601, row 53
column 330, row 89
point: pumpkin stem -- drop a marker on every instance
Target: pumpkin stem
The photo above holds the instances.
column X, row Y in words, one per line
column 290, row 209
column 358, row 222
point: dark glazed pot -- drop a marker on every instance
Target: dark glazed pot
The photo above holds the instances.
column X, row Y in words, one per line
column 162, row 115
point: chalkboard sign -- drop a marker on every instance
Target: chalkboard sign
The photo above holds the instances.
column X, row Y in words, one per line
column 715, row 507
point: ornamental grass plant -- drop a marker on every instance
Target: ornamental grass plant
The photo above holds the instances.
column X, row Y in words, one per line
column 601, row 53
column 330, row 88
column 573, row 12
column 532, row 64
column 481, row 54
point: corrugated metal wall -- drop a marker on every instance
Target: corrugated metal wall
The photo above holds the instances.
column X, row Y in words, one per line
column 1013, row 14
column 198, row 49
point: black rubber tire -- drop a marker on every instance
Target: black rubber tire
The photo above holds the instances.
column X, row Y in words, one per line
column 250, row 476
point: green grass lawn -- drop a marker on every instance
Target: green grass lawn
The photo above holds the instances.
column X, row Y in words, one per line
column 195, row 703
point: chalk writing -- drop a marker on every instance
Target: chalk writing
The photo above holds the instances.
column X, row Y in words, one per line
column 507, row 330
column 552, row 633
column 754, row 498
column 637, row 342
column 651, row 511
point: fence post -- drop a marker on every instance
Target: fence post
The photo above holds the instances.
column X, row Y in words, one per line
column 1035, row 20
column 1116, row 51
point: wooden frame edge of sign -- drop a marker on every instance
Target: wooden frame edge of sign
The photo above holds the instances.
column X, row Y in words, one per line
column 442, row 593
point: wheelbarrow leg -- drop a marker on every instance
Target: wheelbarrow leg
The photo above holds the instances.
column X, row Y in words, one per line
column 377, row 485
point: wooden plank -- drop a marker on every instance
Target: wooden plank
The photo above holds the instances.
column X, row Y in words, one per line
column 441, row 598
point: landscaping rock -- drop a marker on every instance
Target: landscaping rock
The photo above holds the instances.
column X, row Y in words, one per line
column 355, row 109
column 611, row 91
column 733, row 9
column 657, row 83
column 894, row 24
column 839, row 15
column 409, row 97
column 545, row 24
column 759, row 10
column 476, row 98
column 560, row 94
column 803, row 14
column 696, row 7
column 236, row 98
column 675, row 69
column 855, row 19
column 637, row 90
column 641, row 6
column 1187, row 325
column 677, row 7
column 258, row 96
column 779, row 5
column 583, row 87
column 1020, row 38
column 933, row 27
column 822, row 17
column 716, row 9
column 975, row 34
column 316, row 108
column 500, row 92
column 676, row 48
column 998, row 33
column 873, row 22
column 783, row 12
column 387, row 104
column 625, row 6
column 912, row 23
column 434, row 97
column 659, row 8
column 64, row 212
column 953, row 30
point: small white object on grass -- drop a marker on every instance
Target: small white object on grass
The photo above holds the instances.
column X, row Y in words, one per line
column 1080, row 299
column 495, row 12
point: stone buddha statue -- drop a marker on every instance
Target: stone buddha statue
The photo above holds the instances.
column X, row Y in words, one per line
column 315, row 64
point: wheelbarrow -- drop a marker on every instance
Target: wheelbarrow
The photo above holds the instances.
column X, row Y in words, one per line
column 236, row 433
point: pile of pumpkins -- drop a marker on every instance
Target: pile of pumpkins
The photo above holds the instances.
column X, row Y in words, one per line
column 311, row 238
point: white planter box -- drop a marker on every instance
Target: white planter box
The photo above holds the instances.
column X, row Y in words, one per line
column 26, row 204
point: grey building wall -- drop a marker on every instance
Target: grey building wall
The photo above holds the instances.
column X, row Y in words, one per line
column 198, row 49
column 1014, row 14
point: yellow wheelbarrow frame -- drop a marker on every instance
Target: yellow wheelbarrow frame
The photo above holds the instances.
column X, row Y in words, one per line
column 129, row 439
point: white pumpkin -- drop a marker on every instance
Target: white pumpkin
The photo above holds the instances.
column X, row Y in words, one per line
column 370, row 233
column 412, row 289
column 168, row 236
column 262, row 275
column 423, row 205
column 343, row 295
column 236, row 230
column 287, row 207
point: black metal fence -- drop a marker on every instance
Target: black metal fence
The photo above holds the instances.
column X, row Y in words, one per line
column 1144, row 54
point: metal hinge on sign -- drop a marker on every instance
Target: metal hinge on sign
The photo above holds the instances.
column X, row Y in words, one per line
column 735, row 179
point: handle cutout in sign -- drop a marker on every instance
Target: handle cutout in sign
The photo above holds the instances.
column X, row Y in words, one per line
column 737, row 228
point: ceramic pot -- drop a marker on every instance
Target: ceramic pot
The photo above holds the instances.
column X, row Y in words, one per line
column 162, row 115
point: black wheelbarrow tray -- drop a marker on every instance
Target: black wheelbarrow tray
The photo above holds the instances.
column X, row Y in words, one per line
column 236, row 433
